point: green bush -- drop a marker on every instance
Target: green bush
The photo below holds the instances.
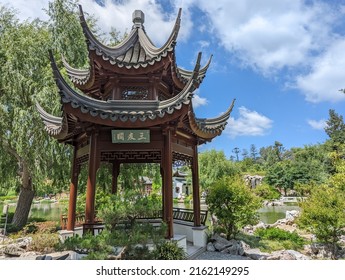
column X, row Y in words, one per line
column 267, row 192
column 289, row 240
column 169, row 250
column 44, row 242
column 233, row 204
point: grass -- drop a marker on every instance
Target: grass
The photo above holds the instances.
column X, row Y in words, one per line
column 273, row 239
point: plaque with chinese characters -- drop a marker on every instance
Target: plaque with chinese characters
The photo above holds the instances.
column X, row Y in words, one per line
column 130, row 136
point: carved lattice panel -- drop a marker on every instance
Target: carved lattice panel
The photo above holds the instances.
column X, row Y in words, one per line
column 150, row 156
column 135, row 93
column 181, row 159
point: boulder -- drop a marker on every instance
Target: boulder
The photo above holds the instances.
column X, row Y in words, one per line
column 13, row 250
column 291, row 215
column 210, row 247
column 287, row 255
column 23, row 242
column 221, row 243
column 255, row 254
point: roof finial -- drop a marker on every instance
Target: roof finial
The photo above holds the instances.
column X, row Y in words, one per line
column 138, row 17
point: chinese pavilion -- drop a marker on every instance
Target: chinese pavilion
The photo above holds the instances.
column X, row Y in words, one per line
column 135, row 107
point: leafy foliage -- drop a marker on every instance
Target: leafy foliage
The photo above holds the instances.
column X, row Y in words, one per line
column 266, row 192
column 323, row 214
column 233, row 204
column 169, row 250
column 281, row 235
column 213, row 166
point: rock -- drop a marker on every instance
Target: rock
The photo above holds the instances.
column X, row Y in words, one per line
column 210, row 247
column 237, row 247
column 298, row 255
column 23, row 242
column 287, row 255
column 291, row 215
column 255, row 254
column 13, row 250
column 281, row 255
column 28, row 255
column 221, row 243
column 242, row 248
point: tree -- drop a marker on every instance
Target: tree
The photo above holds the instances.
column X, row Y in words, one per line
column 236, row 151
column 213, row 165
column 272, row 154
column 280, row 176
column 323, row 215
column 253, row 152
column 335, row 127
column 233, row 205
column 245, row 153
column 25, row 79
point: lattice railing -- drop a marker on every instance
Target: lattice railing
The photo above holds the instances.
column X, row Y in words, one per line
column 180, row 214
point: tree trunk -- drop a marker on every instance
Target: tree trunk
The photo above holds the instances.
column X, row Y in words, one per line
column 21, row 214
column 26, row 196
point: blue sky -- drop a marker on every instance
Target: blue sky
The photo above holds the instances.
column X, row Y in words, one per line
column 282, row 60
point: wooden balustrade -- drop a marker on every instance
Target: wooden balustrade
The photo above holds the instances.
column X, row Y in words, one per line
column 179, row 214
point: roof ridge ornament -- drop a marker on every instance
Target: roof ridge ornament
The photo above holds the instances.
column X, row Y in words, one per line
column 138, row 18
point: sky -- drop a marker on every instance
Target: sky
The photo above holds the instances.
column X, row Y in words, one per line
column 283, row 61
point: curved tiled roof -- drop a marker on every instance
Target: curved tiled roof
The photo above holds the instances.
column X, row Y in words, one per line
column 184, row 75
column 208, row 128
column 78, row 76
column 124, row 110
column 55, row 126
column 136, row 50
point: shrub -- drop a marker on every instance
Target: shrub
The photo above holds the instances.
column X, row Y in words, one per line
column 288, row 240
column 323, row 215
column 169, row 250
column 266, row 192
column 233, row 204
column 44, row 242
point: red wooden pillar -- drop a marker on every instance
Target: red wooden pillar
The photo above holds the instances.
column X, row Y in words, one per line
column 91, row 179
column 115, row 175
column 163, row 187
column 167, row 180
column 196, row 191
column 73, row 188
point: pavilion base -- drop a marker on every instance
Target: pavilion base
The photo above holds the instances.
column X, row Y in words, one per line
column 195, row 235
column 185, row 234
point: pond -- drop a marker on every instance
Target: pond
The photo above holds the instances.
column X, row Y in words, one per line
column 52, row 211
column 270, row 214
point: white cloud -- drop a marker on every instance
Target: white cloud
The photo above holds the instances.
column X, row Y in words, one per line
column 326, row 77
column 198, row 101
column 318, row 125
column 118, row 14
column 28, row 9
column 249, row 123
column 269, row 35
column 158, row 23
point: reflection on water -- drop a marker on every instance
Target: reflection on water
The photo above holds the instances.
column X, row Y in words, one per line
column 270, row 214
column 46, row 211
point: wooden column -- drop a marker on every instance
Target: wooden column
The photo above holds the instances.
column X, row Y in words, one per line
column 73, row 188
column 163, row 187
column 115, row 175
column 91, row 179
column 196, row 191
column 167, row 180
